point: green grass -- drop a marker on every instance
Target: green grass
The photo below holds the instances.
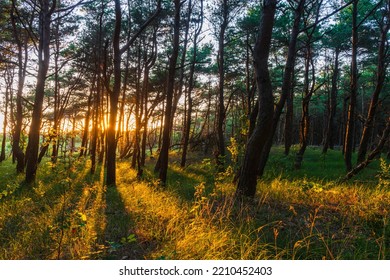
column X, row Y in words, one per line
column 69, row 214
column 316, row 166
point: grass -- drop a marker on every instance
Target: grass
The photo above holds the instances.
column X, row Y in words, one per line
column 69, row 214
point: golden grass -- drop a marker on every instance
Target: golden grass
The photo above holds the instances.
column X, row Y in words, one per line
column 71, row 215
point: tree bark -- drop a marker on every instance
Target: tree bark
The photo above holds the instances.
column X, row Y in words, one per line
column 114, row 93
column 43, row 66
column 308, row 90
column 350, row 126
column 22, row 64
column 380, row 79
column 288, row 126
column 8, row 77
column 286, row 85
column 305, row 119
column 187, row 125
column 384, row 138
column 221, row 86
column 166, row 135
column 114, row 97
column 330, row 129
column 248, row 177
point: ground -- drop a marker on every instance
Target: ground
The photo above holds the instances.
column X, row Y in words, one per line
column 305, row 214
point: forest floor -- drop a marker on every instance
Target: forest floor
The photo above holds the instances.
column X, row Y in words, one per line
column 303, row 214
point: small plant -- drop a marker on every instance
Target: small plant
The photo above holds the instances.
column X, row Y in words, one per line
column 129, row 239
column 199, row 198
column 384, row 174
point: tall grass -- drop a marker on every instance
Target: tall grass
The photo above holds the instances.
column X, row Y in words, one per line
column 70, row 214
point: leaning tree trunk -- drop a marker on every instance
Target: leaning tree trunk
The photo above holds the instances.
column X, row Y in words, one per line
column 248, row 177
column 286, row 86
column 380, row 79
column 384, row 138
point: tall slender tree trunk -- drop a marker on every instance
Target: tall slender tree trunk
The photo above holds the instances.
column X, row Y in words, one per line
column 380, row 79
column 248, row 178
column 305, row 119
column 43, row 66
column 138, row 113
column 113, row 98
column 84, row 139
column 114, row 93
column 145, row 93
column 221, row 88
column 8, row 85
column 330, row 129
column 188, row 119
column 288, row 126
column 286, row 85
column 95, row 126
column 350, row 126
column 162, row 162
column 22, row 64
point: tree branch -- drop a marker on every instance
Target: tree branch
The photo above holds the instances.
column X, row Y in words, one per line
column 142, row 28
column 327, row 16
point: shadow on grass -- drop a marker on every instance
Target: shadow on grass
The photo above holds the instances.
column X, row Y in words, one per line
column 37, row 212
column 119, row 234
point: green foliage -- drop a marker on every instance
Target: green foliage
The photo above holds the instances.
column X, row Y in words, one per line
column 384, row 174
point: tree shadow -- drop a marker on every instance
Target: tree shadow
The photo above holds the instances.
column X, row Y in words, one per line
column 38, row 212
column 119, row 235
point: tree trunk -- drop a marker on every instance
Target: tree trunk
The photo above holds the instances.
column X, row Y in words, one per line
column 330, row 129
column 286, row 86
column 43, row 66
column 8, row 86
column 350, row 126
column 145, row 89
column 114, row 93
column 288, row 126
column 22, row 64
column 221, row 85
column 84, row 140
column 308, row 90
column 187, row 125
column 95, row 123
column 380, row 79
column 247, row 182
column 384, row 138
column 305, row 120
column 113, row 98
column 166, row 136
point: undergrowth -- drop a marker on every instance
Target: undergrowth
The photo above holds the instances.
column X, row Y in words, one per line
column 70, row 214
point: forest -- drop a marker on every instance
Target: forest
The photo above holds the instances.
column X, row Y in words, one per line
column 194, row 129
